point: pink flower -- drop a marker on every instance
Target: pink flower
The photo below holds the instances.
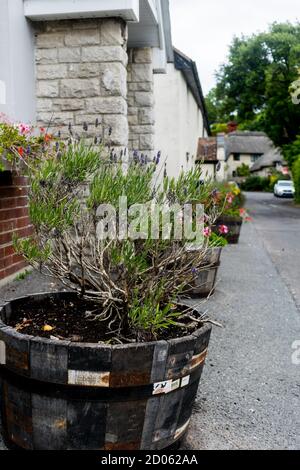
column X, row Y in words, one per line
column 207, row 232
column 24, row 129
column 223, row 229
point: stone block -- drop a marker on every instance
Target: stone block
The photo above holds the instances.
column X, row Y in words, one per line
column 85, row 70
column 113, row 79
column 47, row 89
column 112, row 32
column 146, row 116
column 104, row 54
column 143, row 98
column 51, row 72
column 69, row 54
column 119, row 126
column 46, row 56
column 44, row 104
column 69, row 104
column 142, row 55
column 60, row 119
column 142, row 73
column 82, row 37
column 111, row 105
column 50, row 40
column 79, row 88
column 147, row 142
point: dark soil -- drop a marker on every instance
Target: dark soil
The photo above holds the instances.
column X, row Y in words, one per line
column 67, row 320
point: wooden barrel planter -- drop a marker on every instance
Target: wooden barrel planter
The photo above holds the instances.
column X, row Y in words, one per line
column 234, row 224
column 205, row 282
column 58, row 395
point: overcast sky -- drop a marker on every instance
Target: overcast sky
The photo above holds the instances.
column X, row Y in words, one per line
column 203, row 29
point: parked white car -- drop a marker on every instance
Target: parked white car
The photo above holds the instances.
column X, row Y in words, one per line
column 284, row 188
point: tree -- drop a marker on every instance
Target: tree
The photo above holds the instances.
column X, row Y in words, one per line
column 243, row 170
column 255, row 84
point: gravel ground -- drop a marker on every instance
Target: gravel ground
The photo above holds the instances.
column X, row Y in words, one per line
column 250, row 390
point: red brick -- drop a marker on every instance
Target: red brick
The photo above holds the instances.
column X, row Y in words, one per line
column 9, row 214
column 12, row 269
column 19, row 180
column 6, row 262
column 12, row 191
column 7, row 237
column 11, row 202
column 6, row 251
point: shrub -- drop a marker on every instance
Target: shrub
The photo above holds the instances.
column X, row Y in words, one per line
column 134, row 281
column 243, row 170
column 296, row 177
column 256, row 183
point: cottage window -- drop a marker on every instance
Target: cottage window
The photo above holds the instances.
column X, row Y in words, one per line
column 236, row 157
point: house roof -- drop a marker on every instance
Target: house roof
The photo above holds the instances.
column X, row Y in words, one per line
column 269, row 159
column 190, row 72
column 207, row 150
column 246, row 142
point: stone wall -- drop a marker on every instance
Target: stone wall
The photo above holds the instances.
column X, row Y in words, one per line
column 81, row 76
column 140, row 100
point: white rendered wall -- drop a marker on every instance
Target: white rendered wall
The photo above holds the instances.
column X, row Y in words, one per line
column 17, row 84
column 178, row 121
column 232, row 165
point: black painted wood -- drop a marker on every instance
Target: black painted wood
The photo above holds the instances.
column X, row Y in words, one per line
column 92, row 397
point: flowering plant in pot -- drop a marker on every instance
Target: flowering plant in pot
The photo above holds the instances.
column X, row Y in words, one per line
column 116, row 358
column 230, row 200
column 18, row 141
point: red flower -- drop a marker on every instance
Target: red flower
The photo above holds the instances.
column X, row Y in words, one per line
column 48, row 137
column 43, row 130
column 21, row 151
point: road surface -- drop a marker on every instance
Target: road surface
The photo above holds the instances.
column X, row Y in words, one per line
column 250, row 390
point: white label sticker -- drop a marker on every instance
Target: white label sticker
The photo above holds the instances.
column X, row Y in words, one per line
column 2, row 353
column 165, row 387
column 88, row 379
column 162, row 387
column 185, row 381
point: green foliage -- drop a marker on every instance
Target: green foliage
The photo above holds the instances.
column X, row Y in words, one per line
column 243, row 170
column 296, row 178
column 151, row 317
column 16, row 146
column 111, row 182
column 254, row 85
column 22, row 276
column 134, row 282
column 219, row 128
column 256, row 183
column 292, row 151
column 31, row 251
column 217, row 241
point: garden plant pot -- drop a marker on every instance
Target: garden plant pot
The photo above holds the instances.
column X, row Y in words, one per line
column 59, row 395
column 234, row 225
column 205, row 282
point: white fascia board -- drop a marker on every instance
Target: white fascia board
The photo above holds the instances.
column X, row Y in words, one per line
column 159, row 60
column 42, row 10
column 160, row 54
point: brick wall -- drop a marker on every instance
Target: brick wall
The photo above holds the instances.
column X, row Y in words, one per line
column 14, row 219
column 81, row 75
column 141, row 100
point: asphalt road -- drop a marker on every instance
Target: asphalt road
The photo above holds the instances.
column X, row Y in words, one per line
column 278, row 224
column 250, row 389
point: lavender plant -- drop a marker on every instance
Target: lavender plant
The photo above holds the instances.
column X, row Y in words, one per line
column 134, row 281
